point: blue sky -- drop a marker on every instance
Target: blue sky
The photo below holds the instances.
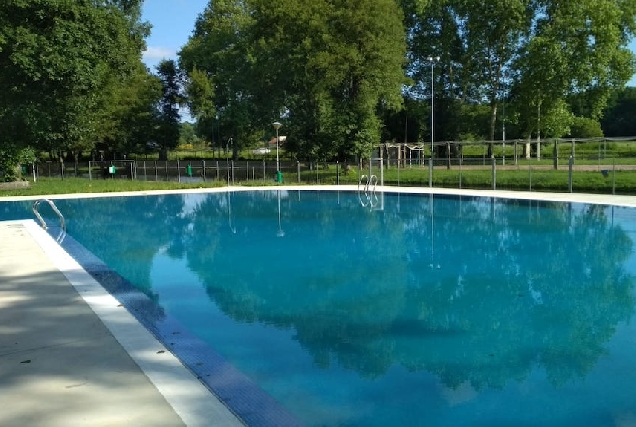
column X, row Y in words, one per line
column 173, row 22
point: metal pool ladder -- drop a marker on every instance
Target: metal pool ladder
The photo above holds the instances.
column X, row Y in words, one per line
column 36, row 205
column 368, row 185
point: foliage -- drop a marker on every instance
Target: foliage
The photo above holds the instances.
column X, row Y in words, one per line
column 168, row 128
column 127, row 114
column 56, row 58
column 618, row 119
column 323, row 68
column 583, row 127
column 336, row 73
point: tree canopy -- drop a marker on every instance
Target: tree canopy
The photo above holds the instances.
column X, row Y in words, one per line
column 338, row 74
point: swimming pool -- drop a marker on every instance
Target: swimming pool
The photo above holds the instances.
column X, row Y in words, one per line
column 409, row 310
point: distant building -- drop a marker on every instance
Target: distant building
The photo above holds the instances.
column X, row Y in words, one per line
column 282, row 139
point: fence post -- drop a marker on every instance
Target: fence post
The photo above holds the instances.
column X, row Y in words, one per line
column 494, row 172
column 232, row 172
column 90, row 176
column 203, row 172
column 167, row 179
column 613, row 175
column 178, row 171
column 570, row 168
column 298, row 170
column 218, row 171
column 430, row 172
column 382, row 171
column 461, row 158
column 337, row 173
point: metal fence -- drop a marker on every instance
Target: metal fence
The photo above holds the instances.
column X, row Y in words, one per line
column 601, row 174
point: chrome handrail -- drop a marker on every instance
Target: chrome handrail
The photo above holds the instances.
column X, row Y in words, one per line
column 35, row 207
column 366, row 182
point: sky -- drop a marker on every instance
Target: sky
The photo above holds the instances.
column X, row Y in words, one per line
column 173, row 22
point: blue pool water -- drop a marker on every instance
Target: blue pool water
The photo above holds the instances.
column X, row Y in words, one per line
column 410, row 310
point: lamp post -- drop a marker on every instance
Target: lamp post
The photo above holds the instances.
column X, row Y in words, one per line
column 432, row 60
column 503, row 130
column 277, row 126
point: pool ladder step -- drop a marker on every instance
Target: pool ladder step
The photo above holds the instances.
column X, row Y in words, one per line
column 36, row 206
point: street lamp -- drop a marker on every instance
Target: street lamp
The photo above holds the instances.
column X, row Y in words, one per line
column 432, row 60
column 277, row 126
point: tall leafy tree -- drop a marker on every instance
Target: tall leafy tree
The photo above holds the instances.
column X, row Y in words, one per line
column 574, row 49
column 323, row 67
column 219, row 51
column 127, row 114
column 56, row 57
column 476, row 43
column 168, row 129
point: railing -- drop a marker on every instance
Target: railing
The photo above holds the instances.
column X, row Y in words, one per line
column 368, row 184
column 35, row 208
column 588, row 172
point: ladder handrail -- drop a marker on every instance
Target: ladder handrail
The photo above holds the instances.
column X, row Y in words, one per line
column 369, row 193
column 35, row 207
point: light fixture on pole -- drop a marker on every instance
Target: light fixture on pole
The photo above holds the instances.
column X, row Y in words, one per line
column 277, row 126
column 432, row 60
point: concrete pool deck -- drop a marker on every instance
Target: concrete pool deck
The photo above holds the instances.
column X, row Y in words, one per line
column 71, row 355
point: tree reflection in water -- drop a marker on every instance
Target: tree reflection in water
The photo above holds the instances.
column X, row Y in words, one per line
column 519, row 284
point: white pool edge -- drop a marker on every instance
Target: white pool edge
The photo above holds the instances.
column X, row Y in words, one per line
column 189, row 398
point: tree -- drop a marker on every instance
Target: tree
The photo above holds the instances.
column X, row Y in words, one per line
column 572, row 51
column 217, row 60
column 618, row 119
column 325, row 68
column 127, row 113
column 168, row 129
column 582, row 127
column 56, row 58
column 477, row 43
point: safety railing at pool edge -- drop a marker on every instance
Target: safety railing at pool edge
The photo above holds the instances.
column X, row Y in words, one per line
column 369, row 194
column 36, row 205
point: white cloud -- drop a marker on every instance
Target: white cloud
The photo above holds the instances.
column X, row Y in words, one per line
column 155, row 53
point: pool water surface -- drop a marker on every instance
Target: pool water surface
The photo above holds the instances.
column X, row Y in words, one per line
column 392, row 309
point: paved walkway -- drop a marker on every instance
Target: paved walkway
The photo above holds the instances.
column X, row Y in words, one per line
column 60, row 363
